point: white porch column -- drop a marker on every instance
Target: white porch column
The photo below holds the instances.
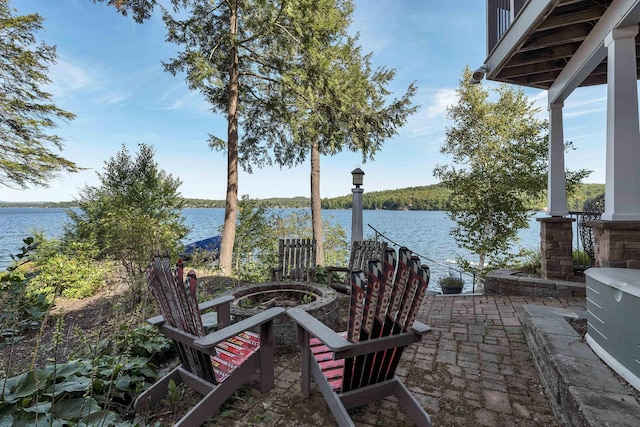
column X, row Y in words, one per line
column 622, row 199
column 556, row 188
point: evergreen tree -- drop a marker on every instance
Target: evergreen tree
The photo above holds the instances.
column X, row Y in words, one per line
column 27, row 114
column 334, row 100
column 288, row 75
column 135, row 213
column 500, row 152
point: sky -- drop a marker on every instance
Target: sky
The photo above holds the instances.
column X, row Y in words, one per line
column 109, row 74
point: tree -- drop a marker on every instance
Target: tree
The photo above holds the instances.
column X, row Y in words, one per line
column 233, row 52
column 27, row 113
column 334, row 99
column 288, row 74
column 136, row 212
column 500, row 152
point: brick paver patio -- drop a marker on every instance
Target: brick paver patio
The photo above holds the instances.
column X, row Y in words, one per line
column 474, row 369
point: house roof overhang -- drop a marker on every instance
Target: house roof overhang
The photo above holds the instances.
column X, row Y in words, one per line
column 558, row 45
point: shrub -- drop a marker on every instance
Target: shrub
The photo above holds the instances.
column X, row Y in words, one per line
column 84, row 391
column 581, row 257
column 256, row 244
column 71, row 272
column 135, row 213
column 450, row 281
column 531, row 261
column 19, row 311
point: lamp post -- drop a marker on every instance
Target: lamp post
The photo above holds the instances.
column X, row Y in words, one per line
column 356, row 205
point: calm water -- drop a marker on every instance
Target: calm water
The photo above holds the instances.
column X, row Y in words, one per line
column 424, row 232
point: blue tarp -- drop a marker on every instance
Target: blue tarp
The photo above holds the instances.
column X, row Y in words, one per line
column 212, row 244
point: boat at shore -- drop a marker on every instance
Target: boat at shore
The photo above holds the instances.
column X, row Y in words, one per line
column 210, row 247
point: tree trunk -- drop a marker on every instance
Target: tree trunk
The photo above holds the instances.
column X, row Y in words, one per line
column 231, row 205
column 316, row 206
column 485, row 234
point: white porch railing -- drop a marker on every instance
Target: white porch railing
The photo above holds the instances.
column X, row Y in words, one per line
column 500, row 15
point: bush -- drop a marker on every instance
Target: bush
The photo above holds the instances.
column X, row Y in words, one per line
column 85, row 391
column 19, row 311
column 450, row 281
column 256, row 244
column 531, row 261
column 71, row 272
column 135, row 213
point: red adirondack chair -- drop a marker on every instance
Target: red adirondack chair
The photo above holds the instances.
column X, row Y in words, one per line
column 216, row 364
column 358, row 366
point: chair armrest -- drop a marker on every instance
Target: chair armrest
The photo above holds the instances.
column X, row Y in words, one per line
column 216, row 337
column 377, row 344
column 318, row 329
column 420, row 328
column 343, row 348
column 214, row 303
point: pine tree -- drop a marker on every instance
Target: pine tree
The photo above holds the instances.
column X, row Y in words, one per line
column 28, row 150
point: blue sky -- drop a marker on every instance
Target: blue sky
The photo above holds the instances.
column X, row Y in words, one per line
column 109, row 74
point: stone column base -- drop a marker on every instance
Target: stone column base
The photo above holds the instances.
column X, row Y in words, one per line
column 556, row 235
column 617, row 243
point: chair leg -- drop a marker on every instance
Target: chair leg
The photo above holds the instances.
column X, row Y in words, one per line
column 267, row 364
column 331, row 397
column 209, row 405
column 409, row 403
column 305, row 355
column 157, row 391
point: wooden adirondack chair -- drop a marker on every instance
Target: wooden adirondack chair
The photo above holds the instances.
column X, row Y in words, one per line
column 358, row 367
column 214, row 365
column 296, row 261
column 361, row 253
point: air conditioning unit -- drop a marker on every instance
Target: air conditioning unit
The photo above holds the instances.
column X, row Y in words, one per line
column 613, row 319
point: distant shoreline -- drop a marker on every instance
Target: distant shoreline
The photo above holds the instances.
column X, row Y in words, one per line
column 423, row 198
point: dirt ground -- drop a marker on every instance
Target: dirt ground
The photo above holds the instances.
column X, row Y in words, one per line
column 78, row 324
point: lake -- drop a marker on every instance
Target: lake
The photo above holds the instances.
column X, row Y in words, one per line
column 424, row 232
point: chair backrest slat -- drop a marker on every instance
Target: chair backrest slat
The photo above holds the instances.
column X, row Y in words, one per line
column 363, row 251
column 296, row 259
column 386, row 306
column 179, row 308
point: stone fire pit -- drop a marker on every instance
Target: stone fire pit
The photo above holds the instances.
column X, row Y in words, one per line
column 318, row 300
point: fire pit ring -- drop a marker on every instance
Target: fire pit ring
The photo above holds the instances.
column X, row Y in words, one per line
column 318, row 300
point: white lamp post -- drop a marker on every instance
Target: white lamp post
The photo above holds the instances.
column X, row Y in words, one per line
column 356, row 205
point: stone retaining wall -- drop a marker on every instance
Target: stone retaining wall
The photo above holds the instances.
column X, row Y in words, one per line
column 507, row 282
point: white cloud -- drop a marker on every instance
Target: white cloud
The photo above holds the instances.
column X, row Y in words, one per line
column 68, row 78
column 443, row 99
column 113, row 98
column 584, row 112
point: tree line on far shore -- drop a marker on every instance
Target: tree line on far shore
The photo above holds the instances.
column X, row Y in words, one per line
column 422, row 198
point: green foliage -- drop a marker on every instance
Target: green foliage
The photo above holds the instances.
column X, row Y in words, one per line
column 28, row 153
column 257, row 234
column 427, row 198
column 255, row 250
column 499, row 152
column 142, row 341
column 451, row 281
column 71, row 271
column 531, row 261
column 173, row 395
column 582, row 193
column 133, row 214
column 580, row 257
column 19, row 311
column 88, row 391
column 297, row 225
